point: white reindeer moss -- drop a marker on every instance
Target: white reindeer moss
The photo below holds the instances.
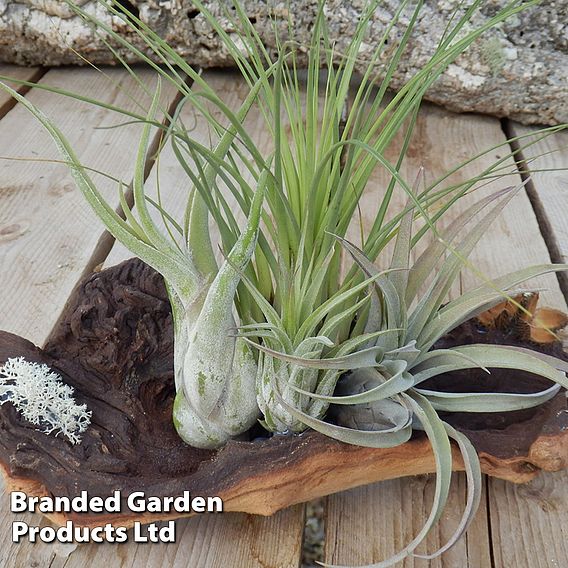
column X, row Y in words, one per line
column 43, row 398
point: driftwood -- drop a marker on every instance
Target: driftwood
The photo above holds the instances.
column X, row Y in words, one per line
column 114, row 345
column 518, row 70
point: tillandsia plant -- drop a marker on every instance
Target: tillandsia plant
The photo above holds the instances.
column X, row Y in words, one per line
column 267, row 332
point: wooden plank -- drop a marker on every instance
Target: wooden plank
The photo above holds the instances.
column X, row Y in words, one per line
column 371, row 523
column 208, row 541
column 38, row 555
column 48, row 235
column 20, row 73
column 529, row 523
column 442, row 141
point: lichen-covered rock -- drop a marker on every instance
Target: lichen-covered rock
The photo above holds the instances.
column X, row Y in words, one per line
column 519, row 69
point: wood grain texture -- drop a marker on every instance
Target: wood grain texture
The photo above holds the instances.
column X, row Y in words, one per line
column 371, row 523
column 48, row 233
column 24, row 555
column 548, row 188
column 19, row 73
column 529, row 523
column 221, row 540
column 442, row 140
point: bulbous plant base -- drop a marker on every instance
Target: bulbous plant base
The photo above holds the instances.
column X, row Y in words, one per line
column 114, row 345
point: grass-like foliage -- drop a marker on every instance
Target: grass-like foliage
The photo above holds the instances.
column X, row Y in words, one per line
column 267, row 332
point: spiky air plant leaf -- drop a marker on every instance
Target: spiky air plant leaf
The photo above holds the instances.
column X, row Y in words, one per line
column 273, row 328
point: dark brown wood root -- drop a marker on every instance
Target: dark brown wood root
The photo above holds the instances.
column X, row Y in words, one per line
column 114, row 345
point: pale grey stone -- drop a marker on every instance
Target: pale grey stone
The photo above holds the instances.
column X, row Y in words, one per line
column 518, row 70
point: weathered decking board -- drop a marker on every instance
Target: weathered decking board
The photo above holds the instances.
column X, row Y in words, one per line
column 21, row 74
column 548, row 188
column 356, row 529
column 529, row 523
column 39, row 199
column 371, row 523
column 49, row 235
column 362, row 525
column 208, row 541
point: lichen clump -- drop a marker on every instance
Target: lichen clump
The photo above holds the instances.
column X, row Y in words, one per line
column 43, row 398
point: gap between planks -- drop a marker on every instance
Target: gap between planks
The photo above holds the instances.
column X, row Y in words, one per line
column 29, row 74
column 529, row 523
column 547, row 189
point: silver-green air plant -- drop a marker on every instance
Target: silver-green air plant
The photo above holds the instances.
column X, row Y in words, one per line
column 267, row 332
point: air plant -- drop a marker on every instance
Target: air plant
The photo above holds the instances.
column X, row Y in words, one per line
column 268, row 332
